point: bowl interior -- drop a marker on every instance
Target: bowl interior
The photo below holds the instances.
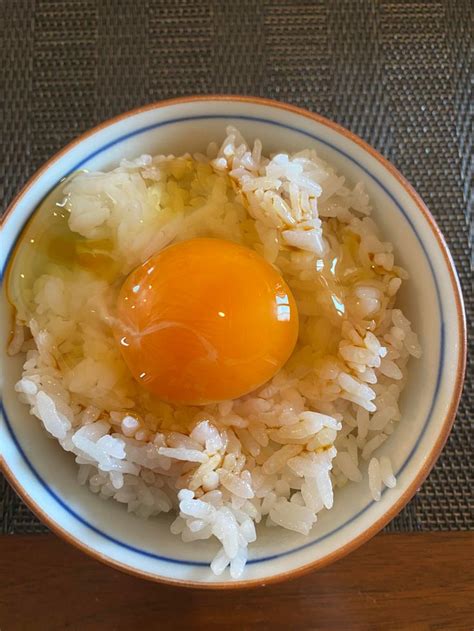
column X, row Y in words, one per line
column 48, row 474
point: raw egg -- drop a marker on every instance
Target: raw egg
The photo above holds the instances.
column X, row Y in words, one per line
column 205, row 320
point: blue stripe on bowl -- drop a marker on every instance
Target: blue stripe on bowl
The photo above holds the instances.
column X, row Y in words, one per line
column 265, row 121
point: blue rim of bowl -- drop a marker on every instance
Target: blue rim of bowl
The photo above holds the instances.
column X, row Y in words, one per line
column 229, row 117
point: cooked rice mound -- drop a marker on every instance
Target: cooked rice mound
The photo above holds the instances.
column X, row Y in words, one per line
column 276, row 455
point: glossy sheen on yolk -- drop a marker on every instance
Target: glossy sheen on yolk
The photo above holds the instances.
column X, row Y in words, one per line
column 205, row 320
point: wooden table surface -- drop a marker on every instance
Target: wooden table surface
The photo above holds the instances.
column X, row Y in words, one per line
column 395, row 582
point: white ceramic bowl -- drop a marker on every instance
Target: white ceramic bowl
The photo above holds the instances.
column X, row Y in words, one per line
column 45, row 476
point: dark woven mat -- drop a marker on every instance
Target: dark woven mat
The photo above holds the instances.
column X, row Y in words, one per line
column 394, row 72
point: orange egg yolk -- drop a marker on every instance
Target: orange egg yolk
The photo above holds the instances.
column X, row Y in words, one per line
column 205, row 320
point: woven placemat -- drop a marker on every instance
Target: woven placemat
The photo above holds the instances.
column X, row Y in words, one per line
column 394, row 72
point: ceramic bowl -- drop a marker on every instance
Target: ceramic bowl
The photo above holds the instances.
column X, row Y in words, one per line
column 45, row 476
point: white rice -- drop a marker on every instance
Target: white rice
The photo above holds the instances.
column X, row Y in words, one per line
column 274, row 456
